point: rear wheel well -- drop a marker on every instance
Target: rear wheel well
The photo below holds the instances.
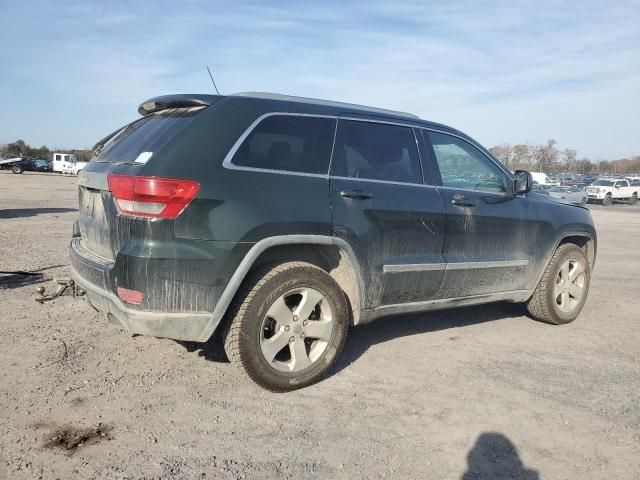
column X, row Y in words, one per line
column 585, row 243
column 332, row 259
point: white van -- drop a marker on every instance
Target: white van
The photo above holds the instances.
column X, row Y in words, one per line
column 67, row 163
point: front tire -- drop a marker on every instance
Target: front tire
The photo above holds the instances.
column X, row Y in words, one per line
column 634, row 199
column 607, row 200
column 287, row 326
column 563, row 288
column 17, row 169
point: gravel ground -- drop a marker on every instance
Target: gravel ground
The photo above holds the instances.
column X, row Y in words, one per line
column 468, row 393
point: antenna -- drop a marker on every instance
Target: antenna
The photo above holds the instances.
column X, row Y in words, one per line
column 212, row 80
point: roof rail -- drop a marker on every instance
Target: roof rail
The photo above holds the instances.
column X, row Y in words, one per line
column 327, row 103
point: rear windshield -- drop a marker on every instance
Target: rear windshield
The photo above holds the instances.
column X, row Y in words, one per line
column 139, row 140
column 603, row 183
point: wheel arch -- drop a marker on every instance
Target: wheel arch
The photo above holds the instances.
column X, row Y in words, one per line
column 583, row 239
column 332, row 254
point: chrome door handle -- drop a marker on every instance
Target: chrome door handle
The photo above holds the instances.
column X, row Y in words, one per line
column 356, row 194
column 462, row 201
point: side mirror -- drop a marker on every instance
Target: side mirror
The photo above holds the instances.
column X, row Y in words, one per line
column 522, row 182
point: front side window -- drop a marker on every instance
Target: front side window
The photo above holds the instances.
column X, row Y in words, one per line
column 464, row 166
column 291, row 143
column 376, row 151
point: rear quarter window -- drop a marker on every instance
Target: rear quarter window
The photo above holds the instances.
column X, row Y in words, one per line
column 289, row 143
column 139, row 140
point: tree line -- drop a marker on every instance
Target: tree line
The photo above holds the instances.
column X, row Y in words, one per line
column 549, row 158
column 20, row 147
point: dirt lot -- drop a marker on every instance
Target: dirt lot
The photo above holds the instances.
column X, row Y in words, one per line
column 469, row 393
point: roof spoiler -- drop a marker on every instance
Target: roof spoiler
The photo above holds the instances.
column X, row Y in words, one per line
column 185, row 100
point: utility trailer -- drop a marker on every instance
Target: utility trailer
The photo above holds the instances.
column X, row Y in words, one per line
column 15, row 164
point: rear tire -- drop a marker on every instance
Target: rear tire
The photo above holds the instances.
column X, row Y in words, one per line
column 583, row 202
column 634, row 199
column 563, row 288
column 272, row 336
column 17, row 169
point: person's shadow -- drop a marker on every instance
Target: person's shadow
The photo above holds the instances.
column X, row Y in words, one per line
column 495, row 457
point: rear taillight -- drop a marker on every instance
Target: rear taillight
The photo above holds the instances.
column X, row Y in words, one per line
column 151, row 196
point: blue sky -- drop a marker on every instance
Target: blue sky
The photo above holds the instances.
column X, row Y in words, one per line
column 517, row 72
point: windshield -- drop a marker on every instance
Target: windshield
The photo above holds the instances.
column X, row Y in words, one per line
column 603, row 183
column 558, row 189
column 137, row 141
column 41, row 163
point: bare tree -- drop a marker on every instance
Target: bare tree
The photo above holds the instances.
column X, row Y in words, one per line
column 503, row 152
column 546, row 156
column 521, row 156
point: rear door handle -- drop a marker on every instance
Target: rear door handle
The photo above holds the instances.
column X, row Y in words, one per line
column 462, row 201
column 356, row 194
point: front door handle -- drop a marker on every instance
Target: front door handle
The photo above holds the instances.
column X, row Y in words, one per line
column 462, row 201
column 356, row 194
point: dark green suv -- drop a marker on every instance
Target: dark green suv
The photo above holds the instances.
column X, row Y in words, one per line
column 276, row 222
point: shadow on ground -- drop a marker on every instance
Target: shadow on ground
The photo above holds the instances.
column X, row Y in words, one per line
column 30, row 212
column 363, row 337
column 17, row 279
column 495, row 457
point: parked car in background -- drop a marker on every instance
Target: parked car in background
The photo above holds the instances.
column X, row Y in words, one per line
column 608, row 190
column 276, row 222
column 633, row 180
column 42, row 165
column 572, row 194
column 19, row 165
column 543, row 179
column 537, row 188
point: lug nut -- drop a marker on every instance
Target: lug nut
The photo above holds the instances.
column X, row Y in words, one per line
column 287, row 328
column 292, row 339
column 305, row 322
column 295, row 318
column 302, row 335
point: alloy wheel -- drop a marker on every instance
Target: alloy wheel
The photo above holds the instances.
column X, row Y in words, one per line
column 569, row 288
column 296, row 330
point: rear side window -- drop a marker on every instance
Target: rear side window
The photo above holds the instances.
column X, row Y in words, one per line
column 290, row 143
column 138, row 141
column 376, row 151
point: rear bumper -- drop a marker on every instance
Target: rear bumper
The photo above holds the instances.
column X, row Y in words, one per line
column 93, row 275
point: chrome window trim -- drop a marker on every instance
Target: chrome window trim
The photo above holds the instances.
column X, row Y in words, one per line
column 373, row 180
column 228, row 163
column 499, row 194
column 408, row 123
